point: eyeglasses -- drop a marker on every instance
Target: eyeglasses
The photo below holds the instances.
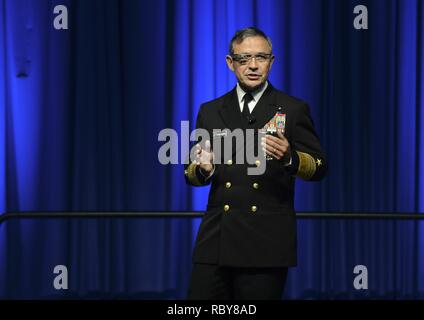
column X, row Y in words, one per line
column 245, row 58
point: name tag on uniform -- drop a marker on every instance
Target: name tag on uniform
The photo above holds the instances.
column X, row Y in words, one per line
column 219, row 134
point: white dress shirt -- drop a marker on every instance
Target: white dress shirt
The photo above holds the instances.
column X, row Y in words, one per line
column 256, row 96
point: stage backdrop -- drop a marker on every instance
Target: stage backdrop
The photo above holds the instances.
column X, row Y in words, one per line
column 81, row 109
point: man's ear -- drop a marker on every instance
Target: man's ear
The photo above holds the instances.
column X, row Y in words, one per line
column 229, row 62
column 272, row 61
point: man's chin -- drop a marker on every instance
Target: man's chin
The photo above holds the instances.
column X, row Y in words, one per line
column 251, row 85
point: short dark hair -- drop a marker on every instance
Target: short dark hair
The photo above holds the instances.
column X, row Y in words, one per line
column 242, row 34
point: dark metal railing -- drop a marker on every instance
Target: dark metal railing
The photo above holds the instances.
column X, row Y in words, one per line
column 182, row 214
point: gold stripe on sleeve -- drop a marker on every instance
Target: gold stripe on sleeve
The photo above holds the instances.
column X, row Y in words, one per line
column 191, row 175
column 307, row 166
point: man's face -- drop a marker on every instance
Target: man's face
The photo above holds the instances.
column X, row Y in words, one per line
column 251, row 72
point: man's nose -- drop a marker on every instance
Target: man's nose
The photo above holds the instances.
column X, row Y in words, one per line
column 253, row 65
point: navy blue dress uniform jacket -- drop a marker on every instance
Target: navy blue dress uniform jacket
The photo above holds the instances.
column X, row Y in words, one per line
column 250, row 219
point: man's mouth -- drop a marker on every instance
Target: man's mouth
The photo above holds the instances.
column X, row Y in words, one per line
column 253, row 76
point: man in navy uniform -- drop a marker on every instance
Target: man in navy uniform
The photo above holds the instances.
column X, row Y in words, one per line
column 247, row 238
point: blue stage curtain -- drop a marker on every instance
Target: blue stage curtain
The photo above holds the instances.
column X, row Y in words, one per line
column 81, row 110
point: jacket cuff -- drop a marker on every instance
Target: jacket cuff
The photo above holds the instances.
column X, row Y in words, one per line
column 192, row 172
column 307, row 166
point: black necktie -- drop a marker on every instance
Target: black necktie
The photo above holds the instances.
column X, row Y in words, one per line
column 246, row 112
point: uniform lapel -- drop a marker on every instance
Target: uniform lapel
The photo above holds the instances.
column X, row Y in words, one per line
column 265, row 108
column 230, row 111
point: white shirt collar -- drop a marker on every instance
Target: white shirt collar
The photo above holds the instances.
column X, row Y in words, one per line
column 257, row 94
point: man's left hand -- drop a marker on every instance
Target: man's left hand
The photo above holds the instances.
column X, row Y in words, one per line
column 277, row 147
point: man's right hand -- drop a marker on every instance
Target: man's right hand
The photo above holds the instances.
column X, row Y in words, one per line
column 204, row 157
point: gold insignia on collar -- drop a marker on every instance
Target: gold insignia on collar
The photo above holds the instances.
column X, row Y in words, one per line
column 319, row 162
